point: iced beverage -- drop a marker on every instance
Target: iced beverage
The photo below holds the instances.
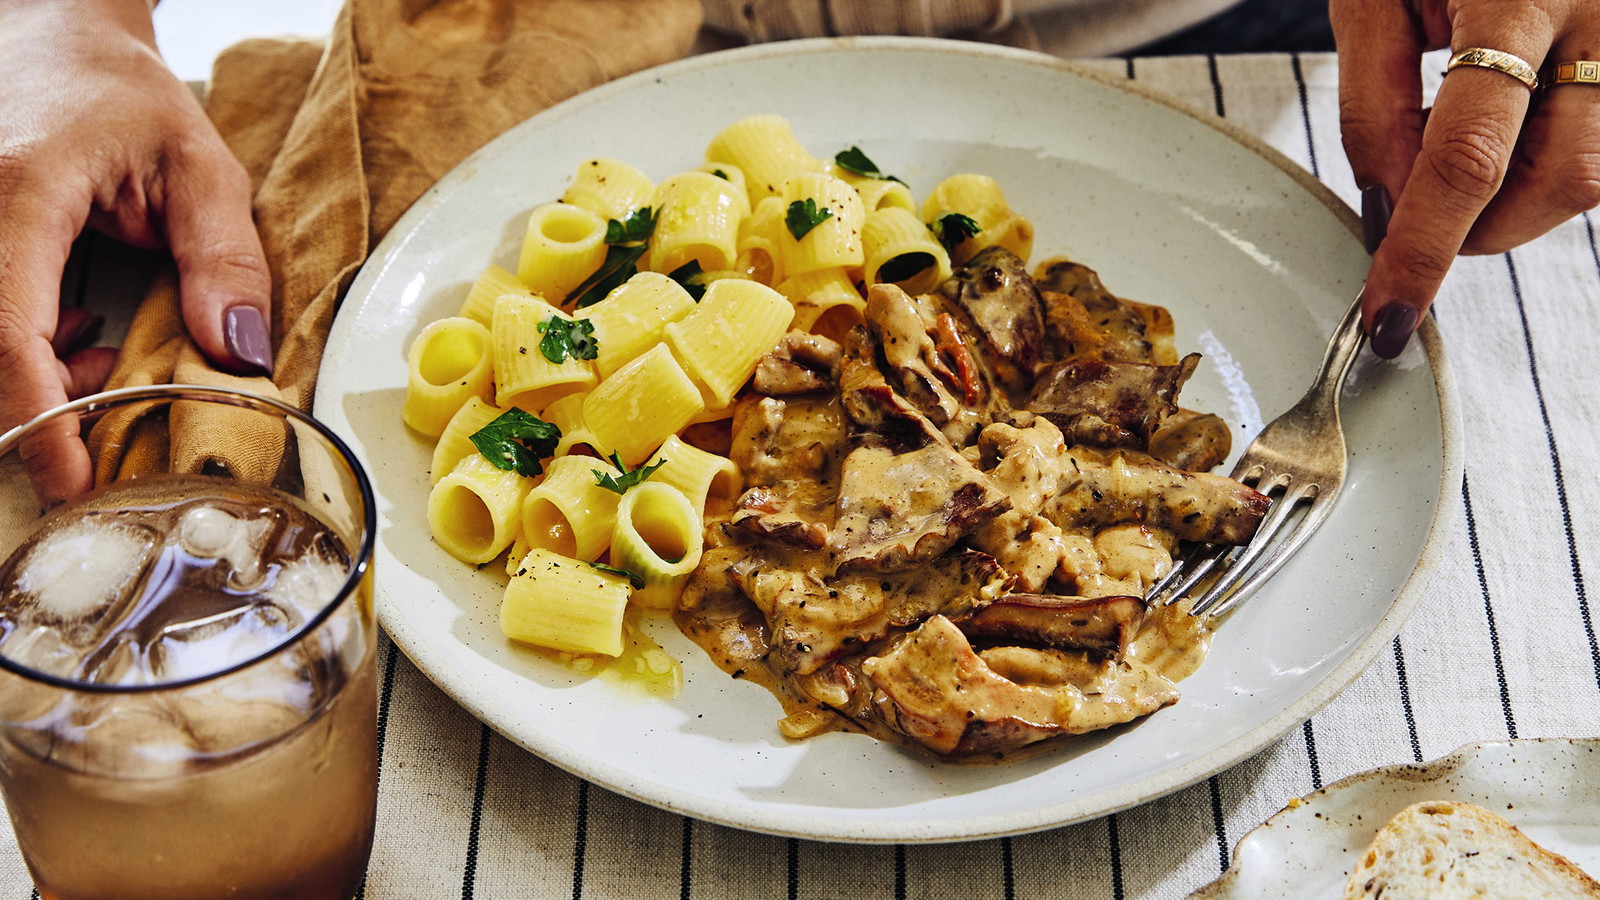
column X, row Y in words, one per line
column 187, row 701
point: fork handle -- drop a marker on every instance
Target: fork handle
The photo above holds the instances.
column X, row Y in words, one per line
column 1343, row 347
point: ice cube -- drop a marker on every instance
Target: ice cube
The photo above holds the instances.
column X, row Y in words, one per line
column 209, row 532
column 133, row 736
column 41, row 648
column 306, row 585
column 116, row 663
column 200, row 647
column 77, row 570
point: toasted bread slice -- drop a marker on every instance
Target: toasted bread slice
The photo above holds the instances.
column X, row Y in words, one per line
column 1444, row 850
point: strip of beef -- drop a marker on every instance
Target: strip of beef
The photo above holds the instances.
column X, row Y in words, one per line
column 1116, row 487
column 1084, row 320
column 928, row 360
column 1192, row 441
column 1109, row 404
column 789, row 452
column 933, row 688
column 873, row 407
column 1101, row 624
column 801, row 364
column 998, row 295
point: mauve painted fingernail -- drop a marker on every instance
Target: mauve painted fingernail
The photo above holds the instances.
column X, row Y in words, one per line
column 244, row 332
column 1392, row 328
column 1375, row 210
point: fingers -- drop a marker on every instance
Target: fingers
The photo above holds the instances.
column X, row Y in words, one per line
column 1555, row 175
column 222, row 273
column 1380, row 89
column 1465, row 153
column 33, row 251
column 85, row 371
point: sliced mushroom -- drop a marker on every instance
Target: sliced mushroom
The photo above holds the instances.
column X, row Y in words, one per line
column 1109, row 404
column 1102, row 624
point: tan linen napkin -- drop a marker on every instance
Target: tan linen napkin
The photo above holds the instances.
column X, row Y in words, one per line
column 338, row 143
column 769, row 20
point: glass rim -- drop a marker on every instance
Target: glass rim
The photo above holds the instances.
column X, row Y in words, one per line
column 361, row 560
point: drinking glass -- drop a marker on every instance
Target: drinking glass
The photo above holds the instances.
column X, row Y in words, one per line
column 187, row 675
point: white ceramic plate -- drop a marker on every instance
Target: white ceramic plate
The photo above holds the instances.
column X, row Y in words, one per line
column 1255, row 260
column 1549, row 788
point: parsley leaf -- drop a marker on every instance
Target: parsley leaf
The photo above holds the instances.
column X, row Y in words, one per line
column 621, row 263
column 568, row 337
column 903, row 267
column 804, row 216
column 721, row 174
column 516, row 441
column 688, row 275
column 853, row 160
column 637, row 226
column 628, row 479
column 634, row 578
column 953, row 228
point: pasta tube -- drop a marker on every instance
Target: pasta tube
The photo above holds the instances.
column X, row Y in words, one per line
column 835, row 241
column 720, row 342
column 658, row 538
column 824, row 294
column 448, row 363
column 696, row 474
column 609, row 188
column 634, row 410
column 474, row 511
column 567, row 415
column 766, row 150
column 523, row 375
column 479, row 305
column 455, row 442
column 979, row 198
column 564, row 245
column 901, row 250
column 727, row 172
column 883, row 193
column 697, row 220
column 630, row 319
column 564, row 604
column 761, row 242
column 568, row 512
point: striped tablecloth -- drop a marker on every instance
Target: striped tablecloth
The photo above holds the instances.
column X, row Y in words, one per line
column 1501, row 646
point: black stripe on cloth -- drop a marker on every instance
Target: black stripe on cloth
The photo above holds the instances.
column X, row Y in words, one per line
column 1405, row 700
column 1118, row 891
column 1555, row 466
column 34, row 895
column 1488, row 608
column 794, row 868
column 899, row 872
column 580, row 839
column 1311, row 754
column 1305, row 116
column 469, row 873
column 1216, row 85
column 1594, row 251
column 385, row 697
column 1218, row 824
column 686, row 870
column 1008, row 871
column 1129, row 62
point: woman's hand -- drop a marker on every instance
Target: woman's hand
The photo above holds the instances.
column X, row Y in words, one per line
column 95, row 130
column 1490, row 166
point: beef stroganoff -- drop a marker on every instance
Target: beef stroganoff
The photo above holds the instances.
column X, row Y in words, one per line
column 858, row 450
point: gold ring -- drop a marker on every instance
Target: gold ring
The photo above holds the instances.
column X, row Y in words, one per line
column 1578, row 71
column 1498, row 60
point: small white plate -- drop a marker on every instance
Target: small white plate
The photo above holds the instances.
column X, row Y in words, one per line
column 1549, row 788
column 1256, row 261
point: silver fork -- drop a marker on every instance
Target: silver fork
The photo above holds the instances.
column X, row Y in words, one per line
column 1298, row 460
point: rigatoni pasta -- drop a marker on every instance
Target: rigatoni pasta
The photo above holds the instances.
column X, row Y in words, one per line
column 568, row 512
column 448, row 363
column 565, row 604
column 609, row 188
column 563, row 245
column 736, row 323
column 658, row 537
column 524, row 376
column 474, row 511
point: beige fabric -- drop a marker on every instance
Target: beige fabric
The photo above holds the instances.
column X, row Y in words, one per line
column 339, row 142
column 768, row 20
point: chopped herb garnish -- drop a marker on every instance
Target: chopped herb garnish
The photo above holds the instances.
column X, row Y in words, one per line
column 628, row 479
column 621, row 263
column 853, row 160
column 516, row 441
column 688, row 275
column 634, row 578
column 636, row 226
column 953, row 228
column 903, row 267
column 805, row 215
column 567, row 337
column 721, row 174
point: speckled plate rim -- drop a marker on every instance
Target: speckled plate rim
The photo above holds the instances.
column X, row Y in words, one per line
column 1248, row 852
column 417, row 646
